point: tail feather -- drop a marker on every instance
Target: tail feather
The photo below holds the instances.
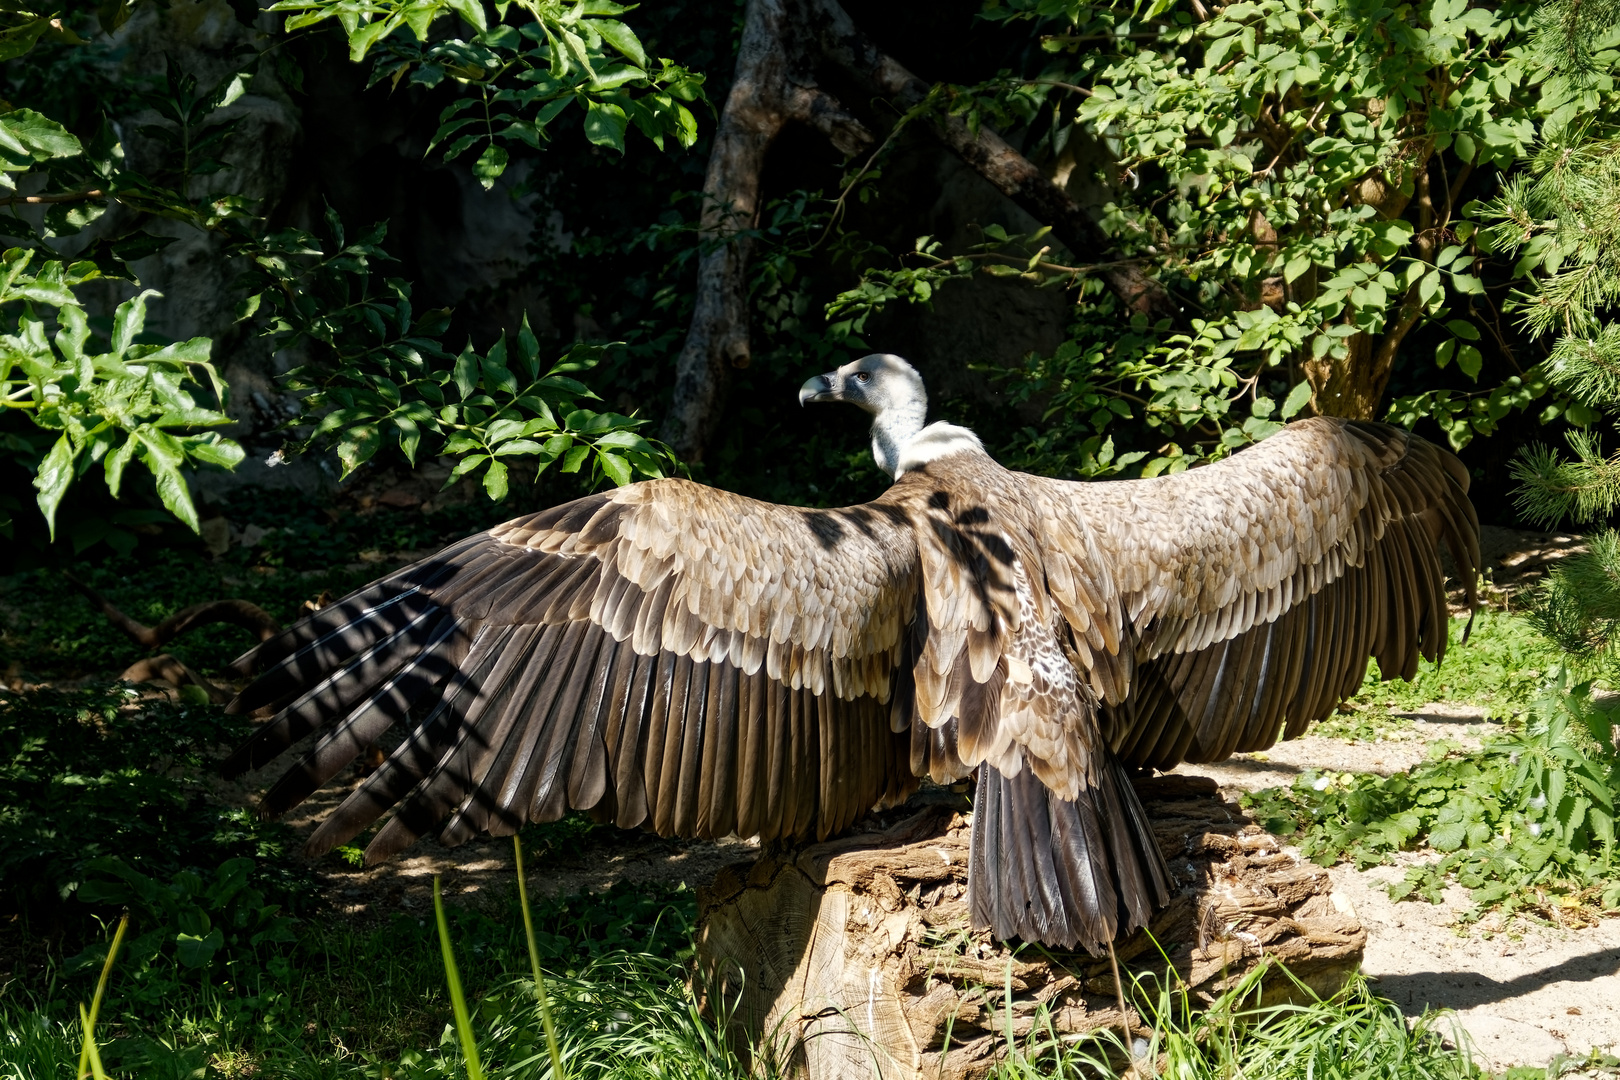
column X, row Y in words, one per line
column 1064, row 873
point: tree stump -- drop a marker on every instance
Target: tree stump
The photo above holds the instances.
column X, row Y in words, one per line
column 854, row 958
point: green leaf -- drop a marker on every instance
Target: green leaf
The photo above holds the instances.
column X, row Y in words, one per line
column 1448, row 837
column 128, row 321
column 472, row 11
column 368, row 34
column 194, row 951
column 1469, row 361
column 1297, row 399
column 615, row 466
column 465, row 466
column 490, row 165
column 575, row 458
column 52, row 480
column 230, row 90
column 467, row 371
column 622, row 38
column 217, row 450
column 495, row 481
column 17, row 40
column 605, row 124
column 115, row 463
column 32, row 135
column 172, row 489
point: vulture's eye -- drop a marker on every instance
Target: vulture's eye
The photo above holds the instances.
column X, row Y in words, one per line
column 863, row 376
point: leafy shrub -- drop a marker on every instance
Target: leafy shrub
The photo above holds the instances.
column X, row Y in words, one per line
column 189, row 919
column 88, row 774
column 1529, row 821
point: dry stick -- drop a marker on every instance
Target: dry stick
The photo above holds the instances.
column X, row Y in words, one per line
column 534, row 961
column 1119, row 995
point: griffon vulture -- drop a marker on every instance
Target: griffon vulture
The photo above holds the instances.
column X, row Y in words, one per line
column 675, row 657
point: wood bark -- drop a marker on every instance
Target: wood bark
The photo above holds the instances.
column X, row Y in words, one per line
column 783, row 42
column 854, row 958
column 754, row 114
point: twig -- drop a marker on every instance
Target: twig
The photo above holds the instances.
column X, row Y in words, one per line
column 39, row 200
column 1119, row 994
column 1290, row 142
column 843, row 196
column 1062, row 86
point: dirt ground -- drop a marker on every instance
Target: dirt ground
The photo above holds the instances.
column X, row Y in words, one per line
column 1522, row 992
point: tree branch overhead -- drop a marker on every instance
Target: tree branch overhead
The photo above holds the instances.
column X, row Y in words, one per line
column 783, row 42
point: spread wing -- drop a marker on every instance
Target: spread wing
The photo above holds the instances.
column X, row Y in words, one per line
column 666, row 654
column 1259, row 586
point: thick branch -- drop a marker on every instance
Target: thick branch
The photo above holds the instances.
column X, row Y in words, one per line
column 1411, row 309
column 250, row 617
column 166, row 668
column 814, row 107
column 989, row 154
column 1353, row 385
column 755, row 111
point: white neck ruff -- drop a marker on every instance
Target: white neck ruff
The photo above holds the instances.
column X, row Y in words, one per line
column 933, row 442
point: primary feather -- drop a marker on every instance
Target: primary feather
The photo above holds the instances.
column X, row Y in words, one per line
column 683, row 659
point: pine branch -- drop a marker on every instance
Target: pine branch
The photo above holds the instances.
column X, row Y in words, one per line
column 1587, row 368
column 1578, row 605
column 1551, row 488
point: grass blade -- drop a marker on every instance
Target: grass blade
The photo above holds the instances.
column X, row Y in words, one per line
column 534, row 961
column 458, row 1000
column 89, row 1053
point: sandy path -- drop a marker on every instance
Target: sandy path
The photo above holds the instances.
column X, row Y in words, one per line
column 1522, row 992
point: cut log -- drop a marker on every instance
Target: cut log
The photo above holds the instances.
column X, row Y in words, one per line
column 855, row 958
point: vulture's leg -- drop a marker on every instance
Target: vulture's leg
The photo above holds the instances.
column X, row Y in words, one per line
column 1065, row 873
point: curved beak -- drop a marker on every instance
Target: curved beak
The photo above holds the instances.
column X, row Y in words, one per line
column 819, row 388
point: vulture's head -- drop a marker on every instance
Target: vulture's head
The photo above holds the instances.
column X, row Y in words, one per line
column 879, row 383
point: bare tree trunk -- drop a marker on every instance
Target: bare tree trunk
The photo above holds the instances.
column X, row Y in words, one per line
column 782, row 42
column 854, row 958
column 718, row 339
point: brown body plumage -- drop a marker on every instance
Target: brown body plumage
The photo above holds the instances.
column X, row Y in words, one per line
column 675, row 657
